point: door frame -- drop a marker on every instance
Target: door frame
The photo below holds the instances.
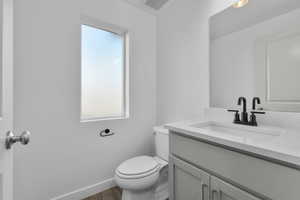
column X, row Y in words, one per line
column 6, row 119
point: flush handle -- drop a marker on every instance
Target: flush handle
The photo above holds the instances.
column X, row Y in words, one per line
column 11, row 139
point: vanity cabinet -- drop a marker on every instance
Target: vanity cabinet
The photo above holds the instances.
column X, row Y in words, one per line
column 192, row 183
column 202, row 170
column 221, row 190
column 189, row 182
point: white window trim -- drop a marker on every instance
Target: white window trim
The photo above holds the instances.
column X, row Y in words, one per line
column 85, row 20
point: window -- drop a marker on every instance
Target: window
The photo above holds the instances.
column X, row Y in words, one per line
column 103, row 73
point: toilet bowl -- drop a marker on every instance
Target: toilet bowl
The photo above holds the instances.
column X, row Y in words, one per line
column 146, row 177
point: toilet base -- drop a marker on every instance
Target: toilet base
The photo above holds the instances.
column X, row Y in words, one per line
column 159, row 193
column 138, row 195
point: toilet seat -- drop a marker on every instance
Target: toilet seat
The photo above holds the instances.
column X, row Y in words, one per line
column 145, row 177
column 138, row 167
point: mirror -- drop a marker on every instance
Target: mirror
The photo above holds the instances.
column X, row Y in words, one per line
column 1, row 50
column 255, row 51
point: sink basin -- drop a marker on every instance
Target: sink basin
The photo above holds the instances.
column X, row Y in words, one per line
column 239, row 133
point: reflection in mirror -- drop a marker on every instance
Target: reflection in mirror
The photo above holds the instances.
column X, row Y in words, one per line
column 255, row 51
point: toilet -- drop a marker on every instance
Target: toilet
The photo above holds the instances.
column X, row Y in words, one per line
column 146, row 177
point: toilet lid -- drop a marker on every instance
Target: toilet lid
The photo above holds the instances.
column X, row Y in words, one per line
column 138, row 166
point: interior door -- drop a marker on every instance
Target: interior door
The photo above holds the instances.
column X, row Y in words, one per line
column 6, row 98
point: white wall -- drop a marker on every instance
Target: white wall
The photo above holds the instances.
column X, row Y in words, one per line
column 232, row 59
column 65, row 155
column 183, row 58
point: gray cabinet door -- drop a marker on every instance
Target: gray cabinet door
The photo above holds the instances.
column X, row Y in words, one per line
column 187, row 181
column 221, row 190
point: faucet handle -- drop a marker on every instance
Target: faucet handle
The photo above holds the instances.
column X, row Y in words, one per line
column 258, row 112
column 253, row 121
column 236, row 116
column 235, row 111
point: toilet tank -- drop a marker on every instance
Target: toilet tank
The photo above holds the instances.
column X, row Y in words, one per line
column 161, row 137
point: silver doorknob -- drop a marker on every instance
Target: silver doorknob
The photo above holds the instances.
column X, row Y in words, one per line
column 11, row 139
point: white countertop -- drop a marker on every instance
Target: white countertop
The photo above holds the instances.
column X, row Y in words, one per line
column 284, row 147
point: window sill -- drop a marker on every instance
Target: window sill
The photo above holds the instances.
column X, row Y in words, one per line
column 103, row 119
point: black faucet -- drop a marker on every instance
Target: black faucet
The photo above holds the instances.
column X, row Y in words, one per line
column 253, row 121
column 254, row 101
column 244, row 119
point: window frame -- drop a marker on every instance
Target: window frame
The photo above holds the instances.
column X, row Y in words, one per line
column 87, row 21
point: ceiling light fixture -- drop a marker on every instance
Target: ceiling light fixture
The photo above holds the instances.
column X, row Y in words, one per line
column 240, row 3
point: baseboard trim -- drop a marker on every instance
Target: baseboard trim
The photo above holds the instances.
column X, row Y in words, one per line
column 87, row 191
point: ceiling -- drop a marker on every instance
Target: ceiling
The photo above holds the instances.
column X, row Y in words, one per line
column 155, row 4
column 257, row 11
column 148, row 4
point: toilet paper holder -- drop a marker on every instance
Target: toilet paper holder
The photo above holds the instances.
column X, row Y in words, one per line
column 106, row 132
